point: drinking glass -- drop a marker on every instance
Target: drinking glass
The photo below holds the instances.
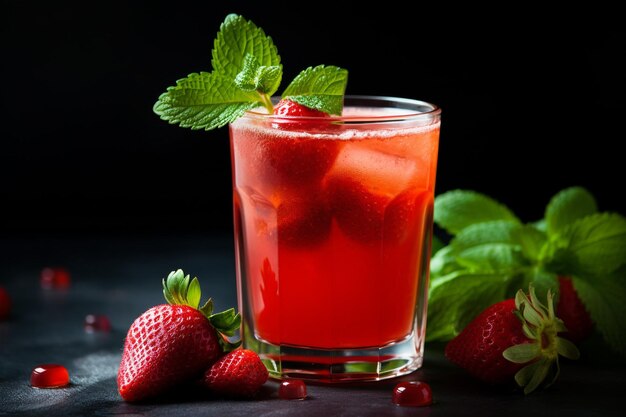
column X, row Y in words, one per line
column 333, row 226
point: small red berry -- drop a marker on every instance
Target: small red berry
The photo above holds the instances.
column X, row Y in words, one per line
column 55, row 278
column 49, row 376
column 572, row 311
column 97, row 323
column 412, row 394
column 292, row 389
column 308, row 118
column 5, row 304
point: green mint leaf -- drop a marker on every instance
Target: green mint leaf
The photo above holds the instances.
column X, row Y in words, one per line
column 532, row 241
column 604, row 297
column 542, row 281
column 236, row 38
column 456, row 299
column 204, row 101
column 444, row 262
column 436, row 245
column 567, row 206
column 596, row 242
column 492, row 257
column 497, row 231
column 455, row 210
column 257, row 77
column 320, row 88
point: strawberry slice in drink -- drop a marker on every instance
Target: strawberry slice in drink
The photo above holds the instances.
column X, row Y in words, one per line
column 373, row 194
column 297, row 156
column 303, row 221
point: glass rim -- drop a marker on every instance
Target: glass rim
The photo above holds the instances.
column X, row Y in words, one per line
column 404, row 104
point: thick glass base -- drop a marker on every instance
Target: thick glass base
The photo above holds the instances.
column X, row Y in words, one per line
column 341, row 365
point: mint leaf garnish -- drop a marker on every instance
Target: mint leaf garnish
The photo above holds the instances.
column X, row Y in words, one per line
column 236, row 38
column 491, row 246
column 246, row 73
column 597, row 243
column 567, row 206
column 496, row 231
column 320, row 88
column 457, row 298
column 204, row 101
column 257, row 77
column 604, row 297
column 458, row 209
column 492, row 257
column 532, row 241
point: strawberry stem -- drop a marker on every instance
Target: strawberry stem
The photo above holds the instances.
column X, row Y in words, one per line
column 541, row 326
column 180, row 289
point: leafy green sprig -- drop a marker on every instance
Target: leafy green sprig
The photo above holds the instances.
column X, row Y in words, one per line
column 246, row 74
column 493, row 253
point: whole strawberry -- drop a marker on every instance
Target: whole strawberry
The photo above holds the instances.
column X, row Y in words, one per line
column 572, row 311
column 173, row 343
column 239, row 373
column 516, row 338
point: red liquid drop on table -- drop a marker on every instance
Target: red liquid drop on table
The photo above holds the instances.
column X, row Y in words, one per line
column 97, row 323
column 49, row 376
column 412, row 393
column 55, row 278
column 5, row 304
column 293, row 389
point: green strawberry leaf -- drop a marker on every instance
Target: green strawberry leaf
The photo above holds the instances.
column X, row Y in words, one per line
column 454, row 300
column 193, row 293
column 236, row 38
column 458, row 209
column 603, row 296
column 204, row 101
column 568, row 206
column 522, row 353
column 321, row 88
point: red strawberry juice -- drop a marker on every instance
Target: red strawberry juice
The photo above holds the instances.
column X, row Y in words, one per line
column 333, row 225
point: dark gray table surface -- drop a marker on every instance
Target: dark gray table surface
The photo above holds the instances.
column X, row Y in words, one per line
column 120, row 277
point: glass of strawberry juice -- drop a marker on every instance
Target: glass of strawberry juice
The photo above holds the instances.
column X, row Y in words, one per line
column 333, row 227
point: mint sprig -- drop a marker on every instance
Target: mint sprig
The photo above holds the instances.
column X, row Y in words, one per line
column 492, row 254
column 247, row 72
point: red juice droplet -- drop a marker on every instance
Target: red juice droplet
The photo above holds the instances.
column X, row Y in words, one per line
column 55, row 278
column 412, row 394
column 49, row 376
column 292, row 389
column 5, row 304
column 97, row 323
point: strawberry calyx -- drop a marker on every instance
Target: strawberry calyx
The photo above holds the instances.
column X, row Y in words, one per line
column 180, row 289
column 541, row 326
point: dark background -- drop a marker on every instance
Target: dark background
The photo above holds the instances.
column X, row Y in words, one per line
column 533, row 101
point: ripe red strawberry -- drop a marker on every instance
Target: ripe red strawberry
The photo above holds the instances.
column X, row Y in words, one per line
column 513, row 338
column 239, row 373
column 286, row 107
column 173, row 343
column 5, row 304
column 573, row 313
column 308, row 119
